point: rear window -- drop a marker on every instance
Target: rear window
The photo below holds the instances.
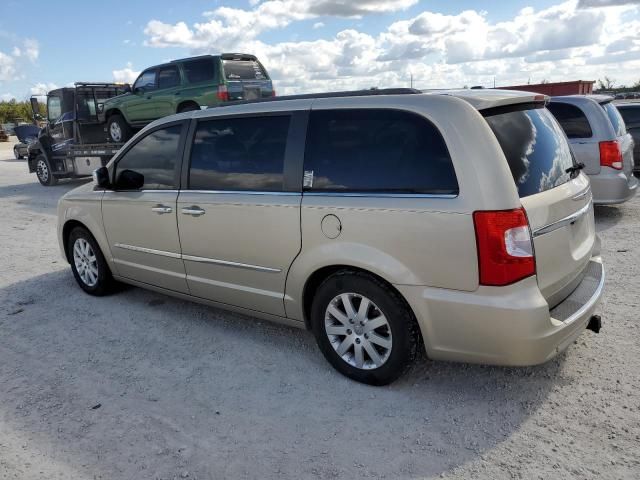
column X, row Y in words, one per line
column 375, row 150
column 616, row 119
column 535, row 147
column 243, row 70
column 197, row 71
column 573, row 120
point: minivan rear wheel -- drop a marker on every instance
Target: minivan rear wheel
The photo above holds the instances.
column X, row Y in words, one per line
column 363, row 328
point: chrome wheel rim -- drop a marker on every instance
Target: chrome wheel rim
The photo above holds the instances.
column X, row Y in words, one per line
column 115, row 131
column 86, row 262
column 358, row 331
column 42, row 171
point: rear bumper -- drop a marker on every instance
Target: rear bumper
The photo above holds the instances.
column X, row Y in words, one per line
column 503, row 325
column 609, row 189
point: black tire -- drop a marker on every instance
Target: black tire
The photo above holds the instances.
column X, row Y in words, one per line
column 16, row 154
column 405, row 336
column 118, row 130
column 104, row 283
column 189, row 107
column 44, row 172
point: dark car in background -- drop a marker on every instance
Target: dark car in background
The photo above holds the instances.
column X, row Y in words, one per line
column 27, row 134
column 631, row 113
column 184, row 85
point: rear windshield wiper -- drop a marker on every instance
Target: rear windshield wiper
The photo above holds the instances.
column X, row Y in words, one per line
column 574, row 170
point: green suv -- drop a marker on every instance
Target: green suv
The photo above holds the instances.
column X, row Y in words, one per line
column 184, row 85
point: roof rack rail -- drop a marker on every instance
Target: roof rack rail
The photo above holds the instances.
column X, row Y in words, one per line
column 99, row 84
column 348, row 93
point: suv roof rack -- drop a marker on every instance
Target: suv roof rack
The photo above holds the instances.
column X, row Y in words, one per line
column 348, row 93
column 99, row 84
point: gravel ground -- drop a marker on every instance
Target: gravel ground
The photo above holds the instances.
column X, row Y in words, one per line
column 140, row 385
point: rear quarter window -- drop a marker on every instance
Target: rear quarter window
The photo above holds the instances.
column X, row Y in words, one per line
column 572, row 119
column 376, row 150
column 616, row 119
column 535, row 147
column 197, row 71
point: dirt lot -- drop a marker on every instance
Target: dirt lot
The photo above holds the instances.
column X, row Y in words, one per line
column 143, row 386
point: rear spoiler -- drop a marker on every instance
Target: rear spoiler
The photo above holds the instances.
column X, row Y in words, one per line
column 514, row 107
column 238, row 56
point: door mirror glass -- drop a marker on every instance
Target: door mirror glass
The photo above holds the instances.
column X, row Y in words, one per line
column 129, row 180
column 101, row 177
column 35, row 108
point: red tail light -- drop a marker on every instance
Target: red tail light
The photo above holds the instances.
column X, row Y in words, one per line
column 223, row 94
column 273, row 92
column 505, row 247
column 610, row 155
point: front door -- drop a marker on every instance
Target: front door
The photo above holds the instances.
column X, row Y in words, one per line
column 140, row 106
column 141, row 224
column 239, row 219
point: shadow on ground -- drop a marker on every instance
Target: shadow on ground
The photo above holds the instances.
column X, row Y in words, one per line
column 607, row 216
column 183, row 387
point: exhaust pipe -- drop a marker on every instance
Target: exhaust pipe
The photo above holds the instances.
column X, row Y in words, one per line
column 595, row 323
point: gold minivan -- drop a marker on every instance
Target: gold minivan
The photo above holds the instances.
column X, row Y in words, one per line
column 385, row 221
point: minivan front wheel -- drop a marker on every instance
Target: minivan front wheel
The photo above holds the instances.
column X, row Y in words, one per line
column 88, row 264
column 363, row 328
column 118, row 128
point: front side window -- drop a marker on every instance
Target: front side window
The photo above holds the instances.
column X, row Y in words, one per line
column 239, row 154
column 54, row 108
column 375, row 150
column 616, row 119
column 197, row 71
column 168, row 77
column 155, row 157
column 535, row 147
column 146, row 80
column 573, row 120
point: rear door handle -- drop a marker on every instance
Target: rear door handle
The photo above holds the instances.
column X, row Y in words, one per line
column 194, row 211
column 160, row 209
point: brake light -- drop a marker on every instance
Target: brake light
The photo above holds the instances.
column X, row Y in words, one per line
column 223, row 94
column 610, row 154
column 505, row 247
column 273, row 92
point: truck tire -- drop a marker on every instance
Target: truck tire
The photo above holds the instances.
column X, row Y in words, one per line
column 118, row 129
column 44, row 172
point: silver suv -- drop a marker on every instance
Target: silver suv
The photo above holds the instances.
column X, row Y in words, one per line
column 380, row 220
column 599, row 140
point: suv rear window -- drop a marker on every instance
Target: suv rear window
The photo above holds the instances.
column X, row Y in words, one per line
column 616, row 119
column 631, row 115
column 197, row 71
column 573, row 120
column 375, row 150
column 243, row 70
column 535, row 147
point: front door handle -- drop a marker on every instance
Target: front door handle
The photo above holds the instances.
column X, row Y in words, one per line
column 194, row 211
column 160, row 209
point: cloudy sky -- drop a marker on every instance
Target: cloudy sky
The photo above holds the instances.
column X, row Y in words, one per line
column 315, row 45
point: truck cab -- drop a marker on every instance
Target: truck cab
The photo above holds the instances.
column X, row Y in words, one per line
column 73, row 141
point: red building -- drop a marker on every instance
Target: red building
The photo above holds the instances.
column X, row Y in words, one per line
column 577, row 87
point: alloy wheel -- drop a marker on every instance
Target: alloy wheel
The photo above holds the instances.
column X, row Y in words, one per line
column 358, row 331
column 115, row 131
column 85, row 261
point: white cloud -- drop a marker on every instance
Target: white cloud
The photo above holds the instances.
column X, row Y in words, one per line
column 7, row 67
column 557, row 43
column 7, row 97
column 41, row 88
column 31, row 49
column 125, row 75
column 318, row 25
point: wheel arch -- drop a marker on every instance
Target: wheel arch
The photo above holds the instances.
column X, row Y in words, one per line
column 185, row 103
column 316, row 278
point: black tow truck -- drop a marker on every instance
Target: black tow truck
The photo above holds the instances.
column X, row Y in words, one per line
column 73, row 142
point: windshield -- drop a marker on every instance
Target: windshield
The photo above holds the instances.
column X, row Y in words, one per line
column 535, row 147
column 243, row 70
column 616, row 119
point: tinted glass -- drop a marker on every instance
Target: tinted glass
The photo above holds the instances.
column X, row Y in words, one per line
column 199, row 70
column 631, row 115
column 146, row 80
column 168, row 77
column 54, row 108
column 376, row 151
column 615, row 118
column 154, row 156
column 239, row 154
column 243, row 70
column 573, row 120
column 86, row 105
column 535, row 147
